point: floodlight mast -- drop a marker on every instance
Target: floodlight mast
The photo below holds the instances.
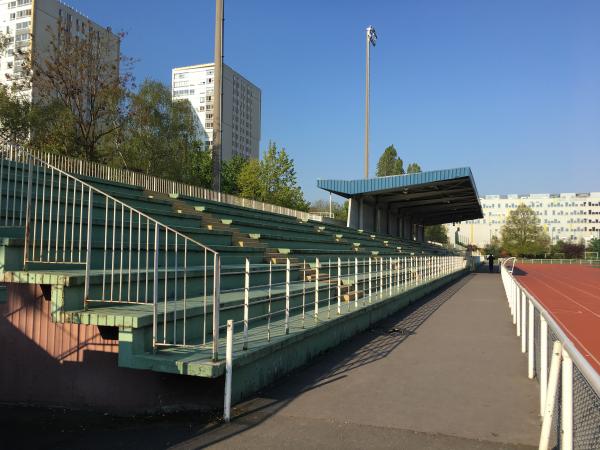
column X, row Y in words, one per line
column 371, row 39
column 217, row 150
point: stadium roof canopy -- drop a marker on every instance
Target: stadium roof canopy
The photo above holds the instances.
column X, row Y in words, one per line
column 438, row 196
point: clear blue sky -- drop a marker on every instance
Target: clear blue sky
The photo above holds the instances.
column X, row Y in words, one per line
column 510, row 88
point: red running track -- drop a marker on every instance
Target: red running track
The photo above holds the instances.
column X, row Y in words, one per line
column 571, row 294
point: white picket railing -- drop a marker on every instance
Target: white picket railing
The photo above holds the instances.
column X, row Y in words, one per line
column 562, row 371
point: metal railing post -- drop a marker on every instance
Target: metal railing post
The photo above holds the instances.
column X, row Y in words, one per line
column 88, row 251
column 287, row 296
column 530, row 343
column 155, row 290
column 356, row 282
column 543, row 363
column 370, row 279
column 228, row 372
column 523, row 322
column 316, row 313
column 551, row 396
column 246, row 302
column 216, row 305
column 28, row 213
column 566, row 411
column 339, row 286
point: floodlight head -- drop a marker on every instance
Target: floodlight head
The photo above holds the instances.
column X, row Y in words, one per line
column 372, row 35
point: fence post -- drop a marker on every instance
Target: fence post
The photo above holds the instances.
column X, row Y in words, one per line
column 518, row 309
column 551, row 396
column 370, row 280
column 530, row 342
column 566, row 411
column 543, row 362
column 228, row 371
column 390, row 274
column 339, row 286
column 316, row 313
column 355, row 283
column 287, row 296
column 216, row 306
column 88, row 249
column 523, row 322
column 28, row 213
column 154, row 290
column 246, row 302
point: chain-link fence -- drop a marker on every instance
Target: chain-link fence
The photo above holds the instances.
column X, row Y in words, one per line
column 569, row 384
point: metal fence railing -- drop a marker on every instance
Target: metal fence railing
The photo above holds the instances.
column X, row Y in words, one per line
column 162, row 185
column 296, row 295
column 126, row 255
column 569, row 384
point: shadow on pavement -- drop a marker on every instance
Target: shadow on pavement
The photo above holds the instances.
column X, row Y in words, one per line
column 363, row 349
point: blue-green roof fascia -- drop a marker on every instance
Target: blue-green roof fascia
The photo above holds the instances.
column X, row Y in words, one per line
column 352, row 188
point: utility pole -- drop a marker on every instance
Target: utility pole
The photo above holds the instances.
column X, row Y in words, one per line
column 218, row 98
column 371, row 39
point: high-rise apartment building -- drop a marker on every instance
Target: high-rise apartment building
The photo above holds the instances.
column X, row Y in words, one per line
column 241, row 109
column 568, row 217
column 31, row 25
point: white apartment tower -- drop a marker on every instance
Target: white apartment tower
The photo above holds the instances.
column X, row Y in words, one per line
column 569, row 217
column 241, row 110
column 30, row 25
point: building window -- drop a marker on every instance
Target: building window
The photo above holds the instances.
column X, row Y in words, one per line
column 209, row 124
column 23, row 13
column 23, row 25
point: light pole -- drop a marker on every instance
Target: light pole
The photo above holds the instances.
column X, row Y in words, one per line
column 371, row 39
column 218, row 98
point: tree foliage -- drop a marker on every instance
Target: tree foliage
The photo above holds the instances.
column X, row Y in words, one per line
column 339, row 210
column 85, row 74
column 522, row 234
column 413, row 168
column 389, row 163
column 159, row 136
column 569, row 250
column 594, row 245
column 89, row 108
column 272, row 180
column 494, row 247
column 437, row 233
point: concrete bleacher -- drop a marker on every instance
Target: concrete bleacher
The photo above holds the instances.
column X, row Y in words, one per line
column 264, row 240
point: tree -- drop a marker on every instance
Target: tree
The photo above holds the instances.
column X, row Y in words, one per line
column 340, row 211
column 594, row 246
column 522, row 234
column 568, row 250
column 80, row 73
column 389, row 163
column 230, row 171
column 494, row 247
column 159, row 136
column 272, row 180
column 413, row 168
column 436, row 233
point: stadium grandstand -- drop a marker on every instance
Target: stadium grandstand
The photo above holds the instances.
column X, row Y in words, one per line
column 135, row 294
column 116, row 262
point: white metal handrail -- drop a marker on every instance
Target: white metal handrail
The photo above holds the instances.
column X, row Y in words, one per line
column 139, row 259
column 523, row 305
column 162, row 185
column 327, row 289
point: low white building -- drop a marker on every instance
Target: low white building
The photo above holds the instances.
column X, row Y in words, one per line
column 568, row 216
column 241, row 111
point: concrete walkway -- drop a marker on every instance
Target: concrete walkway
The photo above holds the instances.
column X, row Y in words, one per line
column 446, row 373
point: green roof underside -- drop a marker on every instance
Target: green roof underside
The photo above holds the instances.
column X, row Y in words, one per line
column 438, row 196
